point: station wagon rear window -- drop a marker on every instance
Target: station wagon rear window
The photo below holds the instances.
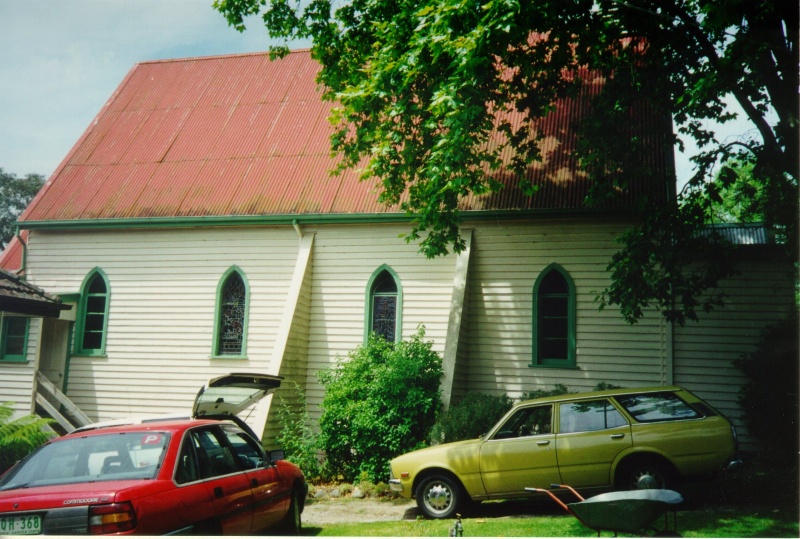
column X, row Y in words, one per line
column 650, row 407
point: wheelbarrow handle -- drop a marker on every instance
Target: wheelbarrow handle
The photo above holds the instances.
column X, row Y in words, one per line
column 553, row 496
column 569, row 488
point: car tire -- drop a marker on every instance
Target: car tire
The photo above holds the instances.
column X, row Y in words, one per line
column 646, row 474
column 440, row 496
column 292, row 522
column 207, row 527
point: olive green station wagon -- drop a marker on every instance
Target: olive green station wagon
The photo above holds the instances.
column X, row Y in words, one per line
column 623, row 439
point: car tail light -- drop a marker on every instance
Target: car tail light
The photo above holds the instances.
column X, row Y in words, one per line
column 111, row 518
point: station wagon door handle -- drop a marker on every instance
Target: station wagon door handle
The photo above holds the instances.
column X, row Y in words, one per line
column 218, row 492
column 617, row 436
column 543, row 442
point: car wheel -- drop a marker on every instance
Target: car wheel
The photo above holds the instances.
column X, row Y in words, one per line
column 292, row 522
column 440, row 496
column 207, row 527
column 645, row 474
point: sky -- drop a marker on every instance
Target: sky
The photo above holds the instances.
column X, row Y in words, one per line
column 61, row 60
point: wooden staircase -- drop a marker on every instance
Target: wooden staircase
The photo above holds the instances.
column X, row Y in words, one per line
column 65, row 412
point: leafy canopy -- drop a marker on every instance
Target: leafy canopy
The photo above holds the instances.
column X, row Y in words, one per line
column 15, row 195
column 422, row 84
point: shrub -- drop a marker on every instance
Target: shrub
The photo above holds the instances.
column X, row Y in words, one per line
column 296, row 437
column 470, row 417
column 558, row 389
column 380, row 402
column 21, row 436
column 770, row 398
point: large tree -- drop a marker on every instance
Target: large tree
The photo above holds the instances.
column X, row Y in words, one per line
column 423, row 85
column 15, row 195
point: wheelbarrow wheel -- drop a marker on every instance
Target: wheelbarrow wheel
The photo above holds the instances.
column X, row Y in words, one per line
column 644, row 474
column 440, row 496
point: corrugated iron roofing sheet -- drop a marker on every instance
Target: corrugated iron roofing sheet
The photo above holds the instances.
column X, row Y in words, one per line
column 243, row 135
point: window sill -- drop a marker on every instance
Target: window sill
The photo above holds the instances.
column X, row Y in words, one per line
column 99, row 355
column 564, row 367
column 229, row 357
column 13, row 360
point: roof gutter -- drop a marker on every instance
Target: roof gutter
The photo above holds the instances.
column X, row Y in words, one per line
column 295, row 220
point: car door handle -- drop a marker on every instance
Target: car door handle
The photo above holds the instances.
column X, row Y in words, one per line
column 617, row 436
column 218, row 492
column 543, row 442
column 254, row 483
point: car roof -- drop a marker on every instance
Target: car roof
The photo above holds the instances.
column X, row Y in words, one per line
column 603, row 393
column 164, row 424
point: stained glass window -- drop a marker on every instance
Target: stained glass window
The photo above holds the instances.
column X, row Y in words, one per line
column 384, row 306
column 231, row 319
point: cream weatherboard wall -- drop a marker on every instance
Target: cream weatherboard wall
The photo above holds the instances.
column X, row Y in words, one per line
column 308, row 289
column 507, row 259
column 17, row 377
column 758, row 296
column 345, row 258
column 162, row 288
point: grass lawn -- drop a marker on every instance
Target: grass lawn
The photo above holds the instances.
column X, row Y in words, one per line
column 757, row 501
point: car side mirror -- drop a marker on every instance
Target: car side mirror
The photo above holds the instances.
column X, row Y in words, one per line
column 277, row 454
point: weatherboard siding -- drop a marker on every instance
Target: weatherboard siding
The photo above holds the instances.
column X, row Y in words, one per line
column 507, row 259
column 704, row 353
column 163, row 287
column 17, row 377
column 344, row 260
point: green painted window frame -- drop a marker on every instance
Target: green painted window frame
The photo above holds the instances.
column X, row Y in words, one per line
column 370, row 300
column 87, row 298
column 5, row 336
column 538, row 319
column 218, row 312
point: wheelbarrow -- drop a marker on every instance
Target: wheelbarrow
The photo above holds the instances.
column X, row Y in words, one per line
column 633, row 511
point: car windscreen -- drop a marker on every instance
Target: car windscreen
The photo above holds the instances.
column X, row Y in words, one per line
column 100, row 457
column 651, row 407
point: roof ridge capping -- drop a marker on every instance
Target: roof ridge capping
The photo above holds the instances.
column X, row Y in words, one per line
column 216, row 57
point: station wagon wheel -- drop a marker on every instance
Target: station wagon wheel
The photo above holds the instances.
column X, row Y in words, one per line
column 439, row 496
column 646, row 474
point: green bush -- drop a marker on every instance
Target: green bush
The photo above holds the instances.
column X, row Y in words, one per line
column 380, row 402
column 297, row 438
column 770, row 398
column 21, row 436
column 558, row 389
column 470, row 417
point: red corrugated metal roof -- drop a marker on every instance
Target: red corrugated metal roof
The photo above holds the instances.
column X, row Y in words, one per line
column 11, row 256
column 246, row 136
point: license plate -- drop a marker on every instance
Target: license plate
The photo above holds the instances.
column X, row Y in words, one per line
column 21, row 525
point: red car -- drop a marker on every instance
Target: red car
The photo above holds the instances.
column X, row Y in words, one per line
column 207, row 475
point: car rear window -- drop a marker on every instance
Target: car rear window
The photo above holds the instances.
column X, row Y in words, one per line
column 649, row 407
column 104, row 457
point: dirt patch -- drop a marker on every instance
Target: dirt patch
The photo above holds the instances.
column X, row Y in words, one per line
column 346, row 509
